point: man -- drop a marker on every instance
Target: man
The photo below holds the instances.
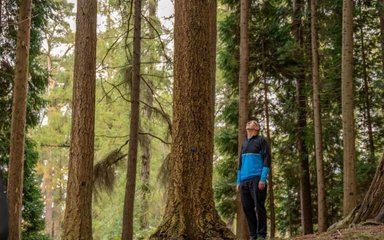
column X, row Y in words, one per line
column 3, row 213
column 254, row 165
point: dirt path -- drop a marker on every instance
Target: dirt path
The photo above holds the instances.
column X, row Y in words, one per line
column 355, row 233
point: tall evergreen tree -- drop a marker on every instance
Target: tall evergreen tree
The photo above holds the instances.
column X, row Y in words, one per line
column 127, row 233
column 270, row 178
column 241, row 228
column 32, row 210
column 347, row 91
column 301, row 121
column 190, row 211
column 321, row 209
column 19, row 108
column 78, row 212
column 148, row 114
column 380, row 8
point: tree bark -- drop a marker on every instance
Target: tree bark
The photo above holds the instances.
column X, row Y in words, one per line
column 190, row 212
column 127, row 233
column 145, row 140
column 321, row 200
column 47, row 174
column 241, row 224
column 78, row 212
column 371, row 144
column 347, row 93
column 19, row 108
column 270, row 177
column 380, row 8
column 372, row 206
column 48, row 193
column 305, row 187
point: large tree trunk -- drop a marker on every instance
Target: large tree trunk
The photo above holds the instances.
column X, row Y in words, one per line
column 78, row 212
column 321, row 202
column 19, row 108
column 241, row 224
column 372, row 206
column 301, row 104
column 130, row 187
column 347, row 93
column 190, row 212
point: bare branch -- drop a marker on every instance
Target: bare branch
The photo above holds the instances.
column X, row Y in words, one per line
column 169, row 60
column 156, row 137
column 64, row 145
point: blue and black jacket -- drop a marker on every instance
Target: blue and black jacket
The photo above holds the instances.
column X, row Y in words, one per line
column 255, row 159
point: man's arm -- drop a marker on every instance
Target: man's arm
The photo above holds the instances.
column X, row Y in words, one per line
column 266, row 156
column 239, row 169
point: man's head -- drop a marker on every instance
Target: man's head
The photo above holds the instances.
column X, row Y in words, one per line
column 252, row 127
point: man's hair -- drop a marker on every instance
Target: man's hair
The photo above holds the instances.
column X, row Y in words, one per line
column 256, row 123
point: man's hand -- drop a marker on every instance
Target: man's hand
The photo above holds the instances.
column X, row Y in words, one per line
column 261, row 185
column 238, row 188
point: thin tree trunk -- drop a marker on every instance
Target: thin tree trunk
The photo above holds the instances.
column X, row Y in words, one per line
column 305, row 187
column 270, row 177
column 145, row 141
column 47, row 190
column 321, row 200
column 130, row 187
column 380, row 8
column 347, row 93
column 190, row 212
column 58, row 213
column 1, row 16
column 47, row 176
column 241, row 224
column 51, row 82
column 366, row 99
column 19, row 108
column 78, row 211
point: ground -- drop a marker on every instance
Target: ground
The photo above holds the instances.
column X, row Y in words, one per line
column 355, row 233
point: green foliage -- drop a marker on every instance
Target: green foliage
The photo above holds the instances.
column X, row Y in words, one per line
column 272, row 57
column 33, row 207
column 225, row 188
column 33, row 221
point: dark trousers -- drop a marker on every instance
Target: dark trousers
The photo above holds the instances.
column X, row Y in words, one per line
column 253, row 201
column 3, row 213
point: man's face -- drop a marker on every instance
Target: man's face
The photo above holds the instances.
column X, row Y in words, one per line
column 252, row 126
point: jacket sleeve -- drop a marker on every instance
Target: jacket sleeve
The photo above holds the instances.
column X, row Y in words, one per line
column 239, row 166
column 238, row 171
column 266, row 156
